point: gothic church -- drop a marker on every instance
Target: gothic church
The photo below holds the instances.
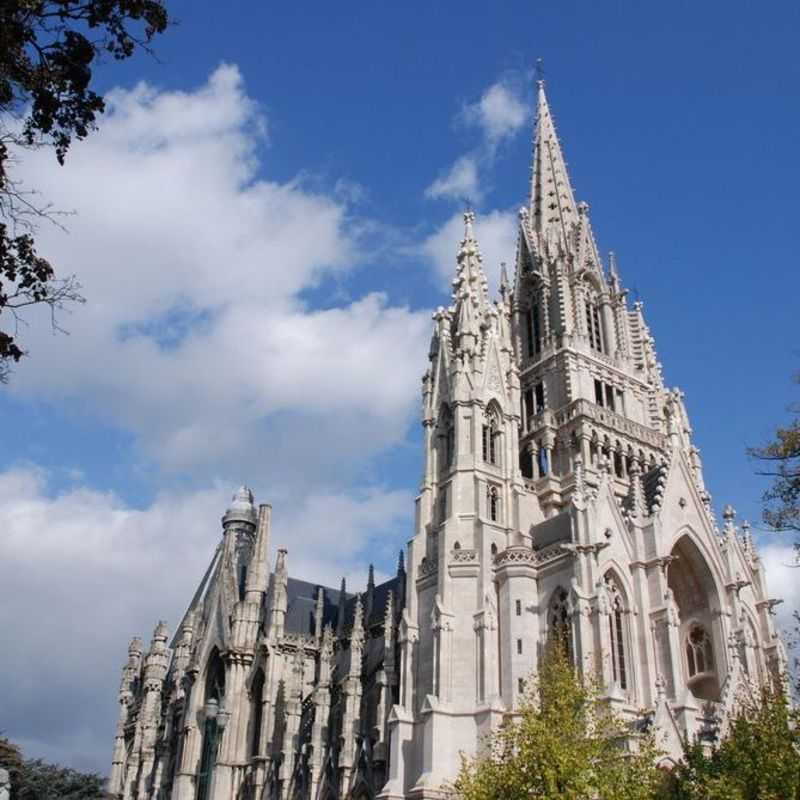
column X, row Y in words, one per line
column 561, row 497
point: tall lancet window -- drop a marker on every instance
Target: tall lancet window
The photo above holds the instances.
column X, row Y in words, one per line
column 559, row 622
column 491, row 438
column 214, row 701
column 257, row 714
column 616, row 623
column 534, row 325
column 594, row 327
column 447, row 438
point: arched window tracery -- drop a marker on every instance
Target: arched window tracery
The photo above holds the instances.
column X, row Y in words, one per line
column 534, row 326
column 617, row 633
column 491, row 437
column 594, row 325
column 447, row 437
column 559, row 623
column 699, row 652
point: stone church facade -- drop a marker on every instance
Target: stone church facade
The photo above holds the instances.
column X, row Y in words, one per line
column 562, row 496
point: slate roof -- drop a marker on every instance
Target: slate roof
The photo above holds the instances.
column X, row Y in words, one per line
column 379, row 598
column 302, row 601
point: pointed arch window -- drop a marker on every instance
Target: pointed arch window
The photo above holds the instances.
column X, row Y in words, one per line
column 257, row 701
column 594, row 327
column 617, row 634
column 447, row 438
column 214, row 699
column 559, row 623
column 491, row 438
column 534, row 325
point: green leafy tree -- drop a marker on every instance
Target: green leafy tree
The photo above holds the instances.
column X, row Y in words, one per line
column 566, row 743
column 781, row 457
column 759, row 759
column 38, row 780
column 48, row 51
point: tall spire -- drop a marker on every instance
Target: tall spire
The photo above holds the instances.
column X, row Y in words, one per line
column 470, row 288
column 552, row 199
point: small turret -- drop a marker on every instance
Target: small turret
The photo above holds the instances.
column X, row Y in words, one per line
column 157, row 659
column 241, row 508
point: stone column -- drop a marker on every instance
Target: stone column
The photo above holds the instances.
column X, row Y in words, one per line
column 609, row 332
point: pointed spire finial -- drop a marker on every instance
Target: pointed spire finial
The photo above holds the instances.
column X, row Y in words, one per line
column 340, row 612
column 357, row 633
column 401, row 562
column 319, row 611
column 552, row 202
column 505, row 285
column 469, row 220
column 470, row 290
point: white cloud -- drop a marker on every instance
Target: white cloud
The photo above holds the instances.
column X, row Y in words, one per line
column 459, row 183
column 501, row 112
column 496, row 232
column 779, row 559
column 194, row 334
column 82, row 572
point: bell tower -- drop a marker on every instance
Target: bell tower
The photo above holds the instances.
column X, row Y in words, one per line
column 591, row 384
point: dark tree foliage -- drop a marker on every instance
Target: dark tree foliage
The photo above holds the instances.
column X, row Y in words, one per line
column 37, row 780
column 48, row 51
column 781, row 457
column 759, row 759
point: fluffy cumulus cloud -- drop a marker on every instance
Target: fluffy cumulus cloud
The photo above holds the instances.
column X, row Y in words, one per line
column 501, row 112
column 82, row 572
column 193, row 265
column 460, row 182
column 496, row 232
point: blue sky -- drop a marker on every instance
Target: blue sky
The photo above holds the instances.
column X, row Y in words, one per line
column 263, row 225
